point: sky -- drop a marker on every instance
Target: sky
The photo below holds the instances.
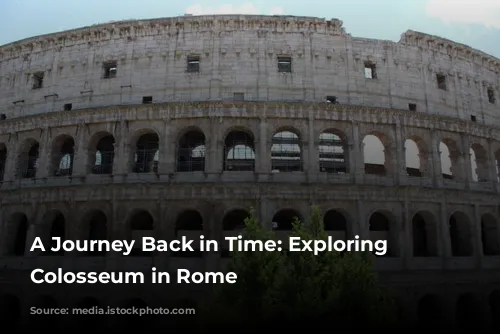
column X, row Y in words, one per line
column 472, row 22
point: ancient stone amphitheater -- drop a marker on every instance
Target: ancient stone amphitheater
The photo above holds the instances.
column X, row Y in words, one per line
column 178, row 126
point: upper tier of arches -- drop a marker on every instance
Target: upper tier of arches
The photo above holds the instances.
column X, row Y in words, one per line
column 218, row 59
column 334, row 145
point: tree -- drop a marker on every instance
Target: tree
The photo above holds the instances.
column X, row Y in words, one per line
column 326, row 291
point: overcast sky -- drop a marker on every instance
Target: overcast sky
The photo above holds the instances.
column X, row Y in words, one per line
column 472, row 22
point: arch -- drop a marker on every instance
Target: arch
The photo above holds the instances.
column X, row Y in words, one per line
column 54, row 226
column 283, row 219
column 376, row 155
column 189, row 224
column 239, row 151
column 15, row 234
column 3, row 160
column 490, row 235
column 10, row 312
column 141, row 224
column 134, row 322
column 286, row 151
column 332, row 149
column 101, row 153
column 235, row 219
column 146, row 152
column 46, row 321
column 414, row 160
column 460, row 234
column 62, row 155
column 430, row 313
column 27, row 163
column 479, row 163
column 191, row 151
column 95, row 227
column 494, row 303
column 232, row 223
column 424, row 234
column 468, row 314
column 381, row 226
column 88, row 315
column 449, row 156
column 335, row 224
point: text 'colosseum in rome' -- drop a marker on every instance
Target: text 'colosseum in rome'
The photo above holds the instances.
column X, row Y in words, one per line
column 178, row 126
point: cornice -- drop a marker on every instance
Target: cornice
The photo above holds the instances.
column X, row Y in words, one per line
column 249, row 109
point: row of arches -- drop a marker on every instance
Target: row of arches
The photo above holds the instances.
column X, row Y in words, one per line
column 382, row 225
column 431, row 312
column 239, row 154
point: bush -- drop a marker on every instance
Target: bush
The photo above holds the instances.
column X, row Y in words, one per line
column 289, row 289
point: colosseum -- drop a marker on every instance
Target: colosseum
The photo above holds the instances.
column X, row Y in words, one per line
column 177, row 126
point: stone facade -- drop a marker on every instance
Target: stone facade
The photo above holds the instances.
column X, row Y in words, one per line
column 243, row 112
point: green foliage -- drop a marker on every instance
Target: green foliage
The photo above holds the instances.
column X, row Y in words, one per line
column 330, row 290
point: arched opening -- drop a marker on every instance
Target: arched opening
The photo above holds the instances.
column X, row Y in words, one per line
column 375, row 155
column 88, row 323
column 141, row 225
column 96, row 224
column 424, row 235
column 46, row 321
column 413, row 158
column 191, row 152
column 494, row 301
column 335, row 224
column 449, row 155
column 286, row 152
column 136, row 323
column 233, row 224
column 490, row 235
column 333, row 153
column 460, row 234
column 146, row 156
column 63, row 152
column 28, row 159
column 190, row 225
column 102, row 153
column 10, row 313
column 429, row 313
column 54, row 226
column 239, row 152
column 15, row 234
column 3, row 160
column 468, row 314
column 479, row 163
column 381, row 228
column 283, row 224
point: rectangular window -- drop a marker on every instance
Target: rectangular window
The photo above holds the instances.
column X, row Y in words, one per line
column 331, row 99
column 412, row 106
column 239, row 96
column 285, row 64
column 147, row 99
column 491, row 95
column 441, row 81
column 370, row 70
column 473, row 118
column 38, row 80
column 193, row 64
column 68, row 107
column 110, row 69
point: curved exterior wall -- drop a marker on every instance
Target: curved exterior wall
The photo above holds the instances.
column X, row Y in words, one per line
column 239, row 54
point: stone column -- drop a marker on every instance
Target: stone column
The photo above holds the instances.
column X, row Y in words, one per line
column 263, row 155
column 313, row 157
column 477, row 242
column 121, row 164
column 11, row 164
column 435, row 161
column 400, row 172
column 466, row 162
column 445, row 245
column 44, row 156
column 167, row 154
column 81, row 152
column 406, row 244
column 356, row 164
column 362, row 227
column 492, row 163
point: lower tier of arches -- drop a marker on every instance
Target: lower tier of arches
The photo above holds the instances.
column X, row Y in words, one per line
column 455, row 302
